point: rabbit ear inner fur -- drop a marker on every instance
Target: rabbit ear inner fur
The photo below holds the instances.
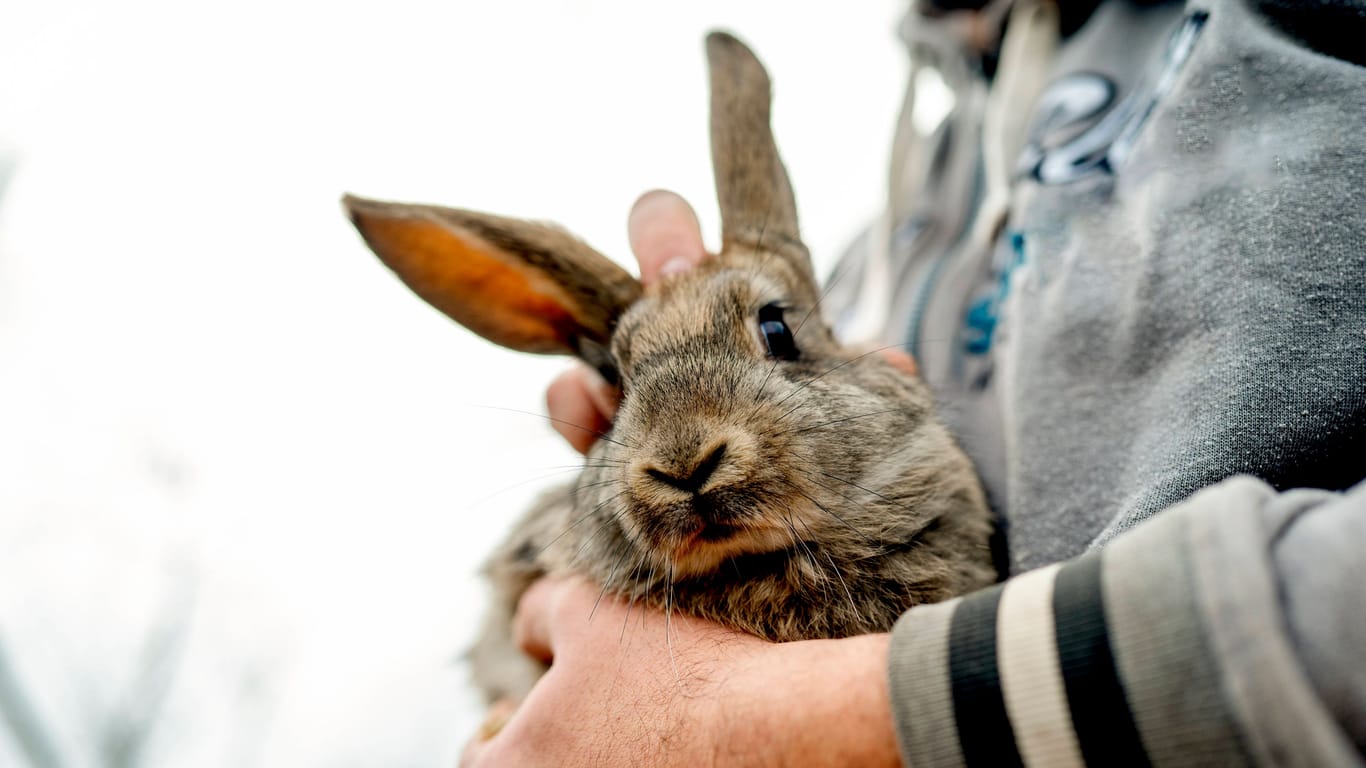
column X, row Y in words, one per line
column 528, row 286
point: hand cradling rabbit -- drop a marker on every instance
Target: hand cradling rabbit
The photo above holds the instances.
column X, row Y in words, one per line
column 758, row 473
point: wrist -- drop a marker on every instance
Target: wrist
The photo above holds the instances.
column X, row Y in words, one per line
column 814, row 702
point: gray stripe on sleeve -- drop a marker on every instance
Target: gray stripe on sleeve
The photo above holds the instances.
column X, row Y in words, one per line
column 1282, row 720
column 922, row 693
column 1163, row 657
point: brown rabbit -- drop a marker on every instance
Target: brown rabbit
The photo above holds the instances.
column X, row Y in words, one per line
column 758, row 474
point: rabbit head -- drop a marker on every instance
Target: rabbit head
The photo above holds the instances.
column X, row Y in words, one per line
column 747, row 435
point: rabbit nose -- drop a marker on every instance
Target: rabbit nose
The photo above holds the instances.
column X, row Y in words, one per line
column 692, row 477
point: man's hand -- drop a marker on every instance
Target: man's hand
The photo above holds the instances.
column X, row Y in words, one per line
column 632, row 687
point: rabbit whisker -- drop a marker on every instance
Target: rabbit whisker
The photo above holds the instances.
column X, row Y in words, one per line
column 896, row 502
column 950, row 339
column 668, row 625
column 834, row 514
column 838, row 574
column 552, row 419
column 832, row 369
column 584, row 463
column 790, row 411
column 846, row 497
column 589, row 540
column 797, row 540
column 607, row 582
column 635, row 592
column 837, row 421
column 649, row 582
column 840, row 272
column 825, row 582
column 852, row 603
column 834, row 398
column 519, row 484
column 759, row 393
column 555, row 469
column 758, row 245
column 575, row 524
column 602, row 462
column 606, row 485
column 596, row 484
column 606, row 481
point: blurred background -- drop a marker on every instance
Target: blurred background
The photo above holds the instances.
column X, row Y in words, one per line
column 246, row 478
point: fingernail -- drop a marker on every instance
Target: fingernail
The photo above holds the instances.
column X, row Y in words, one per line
column 498, row 716
column 674, row 266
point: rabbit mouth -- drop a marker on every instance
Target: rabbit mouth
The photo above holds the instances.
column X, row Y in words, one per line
column 714, row 532
column 703, row 546
column 696, row 523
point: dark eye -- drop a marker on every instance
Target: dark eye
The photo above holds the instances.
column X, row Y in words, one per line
column 777, row 336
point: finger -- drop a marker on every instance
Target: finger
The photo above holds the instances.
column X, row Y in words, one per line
column 664, row 235
column 581, row 406
column 554, row 613
column 494, row 720
column 901, row 360
column 470, row 757
column 497, row 717
column 474, row 749
column 532, row 628
column 606, row 397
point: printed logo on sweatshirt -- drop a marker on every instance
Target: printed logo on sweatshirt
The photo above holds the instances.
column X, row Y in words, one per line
column 1080, row 129
column 1063, row 148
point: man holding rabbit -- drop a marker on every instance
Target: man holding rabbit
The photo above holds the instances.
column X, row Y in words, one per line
column 1133, row 274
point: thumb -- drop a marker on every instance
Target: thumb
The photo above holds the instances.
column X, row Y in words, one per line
column 534, row 628
column 498, row 716
column 664, row 235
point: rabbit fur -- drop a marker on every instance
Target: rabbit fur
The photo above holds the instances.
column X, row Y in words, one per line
column 758, row 473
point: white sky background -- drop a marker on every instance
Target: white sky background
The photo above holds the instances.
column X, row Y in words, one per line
column 216, row 404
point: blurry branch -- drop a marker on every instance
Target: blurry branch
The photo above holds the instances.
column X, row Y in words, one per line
column 29, row 733
column 7, row 166
column 124, row 739
column 254, row 704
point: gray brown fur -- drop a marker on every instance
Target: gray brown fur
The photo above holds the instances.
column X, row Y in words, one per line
column 832, row 499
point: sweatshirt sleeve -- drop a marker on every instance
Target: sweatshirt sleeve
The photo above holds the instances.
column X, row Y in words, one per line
column 1228, row 630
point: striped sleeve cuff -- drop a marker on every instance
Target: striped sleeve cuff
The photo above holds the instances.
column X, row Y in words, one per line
column 1098, row 661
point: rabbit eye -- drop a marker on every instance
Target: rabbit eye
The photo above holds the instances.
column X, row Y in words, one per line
column 777, row 336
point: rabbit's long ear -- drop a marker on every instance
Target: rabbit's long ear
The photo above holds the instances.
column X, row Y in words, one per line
column 528, row 286
column 757, row 206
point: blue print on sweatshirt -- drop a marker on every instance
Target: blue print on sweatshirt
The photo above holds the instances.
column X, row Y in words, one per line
column 1100, row 148
column 982, row 313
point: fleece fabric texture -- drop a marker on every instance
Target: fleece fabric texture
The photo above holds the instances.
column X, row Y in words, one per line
column 1179, row 293
column 1159, row 366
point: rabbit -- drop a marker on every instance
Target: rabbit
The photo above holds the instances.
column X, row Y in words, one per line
column 758, row 473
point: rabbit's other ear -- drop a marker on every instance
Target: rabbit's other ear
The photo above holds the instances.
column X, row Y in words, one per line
column 528, row 286
column 757, row 206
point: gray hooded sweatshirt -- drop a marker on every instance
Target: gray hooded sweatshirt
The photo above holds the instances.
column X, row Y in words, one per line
column 1132, row 263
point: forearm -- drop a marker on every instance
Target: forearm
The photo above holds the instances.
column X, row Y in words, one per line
column 1173, row 646
column 816, row 702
